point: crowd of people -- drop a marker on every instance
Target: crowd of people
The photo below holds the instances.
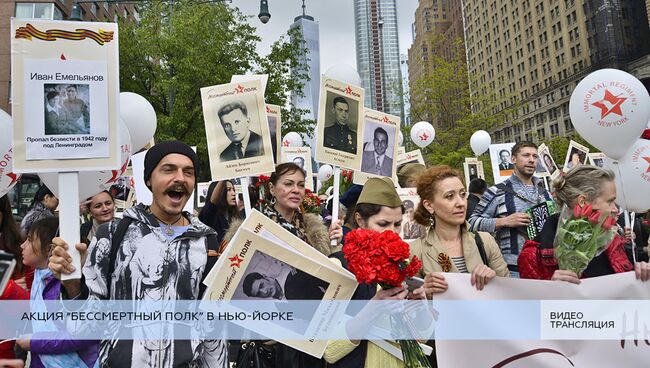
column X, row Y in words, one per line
column 160, row 252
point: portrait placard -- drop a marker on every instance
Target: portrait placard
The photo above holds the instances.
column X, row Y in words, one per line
column 274, row 116
column 65, row 96
column 202, row 193
column 414, row 156
column 597, row 159
column 547, row 160
column 300, row 156
column 473, row 169
column 379, row 148
column 410, row 230
column 502, row 166
column 576, row 155
column 237, row 130
column 295, row 277
column 340, row 124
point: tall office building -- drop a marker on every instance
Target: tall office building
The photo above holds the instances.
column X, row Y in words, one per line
column 537, row 51
column 53, row 10
column 438, row 24
column 378, row 63
column 309, row 33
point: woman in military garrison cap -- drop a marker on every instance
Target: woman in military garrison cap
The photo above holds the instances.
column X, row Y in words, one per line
column 379, row 208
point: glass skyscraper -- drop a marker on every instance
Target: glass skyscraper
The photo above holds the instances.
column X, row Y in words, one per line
column 378, row 62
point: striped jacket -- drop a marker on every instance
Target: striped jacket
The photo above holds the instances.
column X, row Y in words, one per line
column 497, row 203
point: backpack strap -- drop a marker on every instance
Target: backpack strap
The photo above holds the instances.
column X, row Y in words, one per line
column 116, row 241
column 481, row 249
column 212, row 245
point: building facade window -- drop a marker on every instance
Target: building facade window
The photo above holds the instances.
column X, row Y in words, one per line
column 38, row 11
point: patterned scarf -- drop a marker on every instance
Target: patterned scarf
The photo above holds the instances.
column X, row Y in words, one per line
column 295, row 227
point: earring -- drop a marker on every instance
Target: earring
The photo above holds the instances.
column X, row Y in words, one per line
column 432, row 220
column 273, row 200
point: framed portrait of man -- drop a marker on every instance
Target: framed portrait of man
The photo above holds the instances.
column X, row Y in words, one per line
column 473, row 169
column 547, row 160
column 597, row 159
column 340, row 124
column 300, row 156
column 410, row 229
column 379, row 148
column 576, row 156
column 274, row 116
column 65, row 96
column 270, row 271
column 237, row 130
column 501, row 157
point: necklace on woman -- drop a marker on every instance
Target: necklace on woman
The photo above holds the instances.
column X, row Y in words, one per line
column 168, row 228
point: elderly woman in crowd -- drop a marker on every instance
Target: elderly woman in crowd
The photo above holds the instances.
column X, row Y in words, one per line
column 580, row 186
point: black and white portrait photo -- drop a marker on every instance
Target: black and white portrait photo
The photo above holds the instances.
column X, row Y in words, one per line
column 273, row 129
column 576, row 156
column 243, row 141
column 378, row 149
column 67, row 109
column 340, row 131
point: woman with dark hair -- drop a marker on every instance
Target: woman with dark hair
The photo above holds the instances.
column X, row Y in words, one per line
column 43, row 205
column 287, row 191
column 21, row 279
column 221, row 207
column 379, row 208
column 101, row 208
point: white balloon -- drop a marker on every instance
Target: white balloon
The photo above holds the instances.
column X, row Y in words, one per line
column 480, row 142
column 344, row 73
column 400, row 139
column 610, row 108
column 633, row 177
column 93, row 182
column 422, row 134
column 292, row 139
column 7, row 177
column 325, row 172
column 139, row 117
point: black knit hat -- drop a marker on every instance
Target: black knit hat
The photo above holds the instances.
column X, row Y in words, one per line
column 164, row 148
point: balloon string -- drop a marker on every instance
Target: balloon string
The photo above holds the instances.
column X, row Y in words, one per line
column 618, row 167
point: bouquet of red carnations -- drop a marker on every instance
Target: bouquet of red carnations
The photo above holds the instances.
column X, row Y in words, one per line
column 383, row 258
column 582, row 235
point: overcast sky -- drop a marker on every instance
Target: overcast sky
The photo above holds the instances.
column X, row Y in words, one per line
column 336, row 25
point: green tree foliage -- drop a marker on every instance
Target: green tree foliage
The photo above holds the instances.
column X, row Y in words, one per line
column 179, row 47
column 442, row 95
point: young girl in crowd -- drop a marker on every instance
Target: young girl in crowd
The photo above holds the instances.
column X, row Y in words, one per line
column 50, row 352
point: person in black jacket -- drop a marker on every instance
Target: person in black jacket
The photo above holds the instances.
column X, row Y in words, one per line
column 476, row 189
column 220, row 208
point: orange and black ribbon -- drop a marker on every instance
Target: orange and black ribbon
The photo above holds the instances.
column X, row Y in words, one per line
column 29, row 31
column 444, row 262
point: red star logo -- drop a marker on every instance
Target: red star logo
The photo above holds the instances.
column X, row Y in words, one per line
column 268, row 110
column 63, row 57
column 14, row 178
column 235, row 261
column 610, row 104
column 424, row 137
column 285, row 143
column 239, row 89
column 114, row 175
column 385, row 119
column 648, row 160
column 348, row 90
